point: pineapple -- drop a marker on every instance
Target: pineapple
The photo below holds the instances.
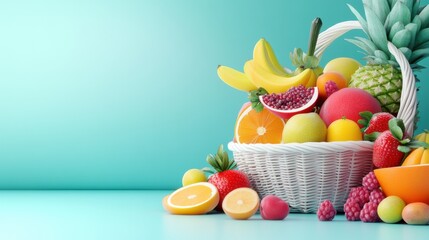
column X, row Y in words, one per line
column 404, row 23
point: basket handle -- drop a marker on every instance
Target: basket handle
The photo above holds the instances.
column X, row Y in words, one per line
column 408, row 102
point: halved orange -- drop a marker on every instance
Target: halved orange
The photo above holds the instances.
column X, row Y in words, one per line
column 258, row 127
column 197, row 198
column 241, row 203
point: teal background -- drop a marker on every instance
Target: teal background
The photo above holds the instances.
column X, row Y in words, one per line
column 125, row 95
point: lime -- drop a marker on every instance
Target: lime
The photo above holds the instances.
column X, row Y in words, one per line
column 390, row 209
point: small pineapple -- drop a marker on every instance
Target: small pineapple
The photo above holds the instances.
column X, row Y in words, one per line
column 404, row 23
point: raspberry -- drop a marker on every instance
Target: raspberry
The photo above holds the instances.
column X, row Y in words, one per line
column 370, row 181
column 360, row 195
column 326, row 211
column 369, row 212
column 352, row 210
column 330, row 87
column 376, row 196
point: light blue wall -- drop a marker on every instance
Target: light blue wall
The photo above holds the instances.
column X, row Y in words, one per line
column 124, row 94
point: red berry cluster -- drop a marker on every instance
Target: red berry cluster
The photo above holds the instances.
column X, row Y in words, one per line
column 326, row 211
column 363, row 201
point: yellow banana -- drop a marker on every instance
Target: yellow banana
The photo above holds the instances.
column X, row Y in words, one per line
column 414, row 158
column 274, row 83
column 264, row 56
column 312, row 81
column 423, row 137
column 235, row 78
column 420, row 137
column 274, row 59
column 427, row 138
column 425, row 157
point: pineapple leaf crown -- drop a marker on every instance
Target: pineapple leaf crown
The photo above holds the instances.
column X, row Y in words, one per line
column 403, row 22
column 220, row 161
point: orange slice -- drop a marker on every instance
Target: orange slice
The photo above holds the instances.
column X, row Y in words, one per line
column 241, row 203
column 258, row 127
column 197, row 198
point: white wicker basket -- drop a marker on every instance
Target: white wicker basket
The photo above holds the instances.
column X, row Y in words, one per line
column 304, row 174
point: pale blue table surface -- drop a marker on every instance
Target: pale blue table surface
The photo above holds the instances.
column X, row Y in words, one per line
column 124, row 215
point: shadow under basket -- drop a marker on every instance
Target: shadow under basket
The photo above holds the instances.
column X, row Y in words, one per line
column 305, row 174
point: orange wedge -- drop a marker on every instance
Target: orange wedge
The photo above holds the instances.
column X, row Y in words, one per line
column 197, row 198
column 241, row 203
column 258, row 127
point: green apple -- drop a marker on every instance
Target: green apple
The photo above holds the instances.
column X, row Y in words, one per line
column 390, row 209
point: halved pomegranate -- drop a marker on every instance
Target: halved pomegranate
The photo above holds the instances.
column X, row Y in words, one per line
column 296, row 100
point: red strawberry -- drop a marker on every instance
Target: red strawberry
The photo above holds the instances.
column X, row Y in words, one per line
column 225, row 177
column 386, row 153
column 377, row 122
column 390, row 145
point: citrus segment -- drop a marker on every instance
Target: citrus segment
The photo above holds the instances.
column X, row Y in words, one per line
column 258, row 127
column 241, row 203
column 197, row 198
column 164, row 203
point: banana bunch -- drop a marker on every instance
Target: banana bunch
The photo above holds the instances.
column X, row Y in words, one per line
column 264, row 71
column 235, row 78
column 423, row 137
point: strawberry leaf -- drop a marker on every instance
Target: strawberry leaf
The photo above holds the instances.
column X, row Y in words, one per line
column 404, row 149
column 417, row 144
column 220, row 149
column 208, row 170
column 366, row 118
column 254, row 98
column 232, row 165
column 371, row 137
column 211, row 160
column 397, row 127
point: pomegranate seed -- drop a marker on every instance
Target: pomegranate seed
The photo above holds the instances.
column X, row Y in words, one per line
column 295, row 97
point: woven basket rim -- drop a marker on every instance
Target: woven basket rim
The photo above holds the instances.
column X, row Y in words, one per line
column 308, row 147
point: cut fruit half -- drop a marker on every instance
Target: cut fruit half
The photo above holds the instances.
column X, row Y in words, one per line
column 193, row 199
column 306, row 107
column 241, row 203
column 258, row 127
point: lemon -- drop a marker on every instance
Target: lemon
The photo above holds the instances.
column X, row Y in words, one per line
column 344, row 66
column 344, row 130
column 193, row 176
column 305, row 127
